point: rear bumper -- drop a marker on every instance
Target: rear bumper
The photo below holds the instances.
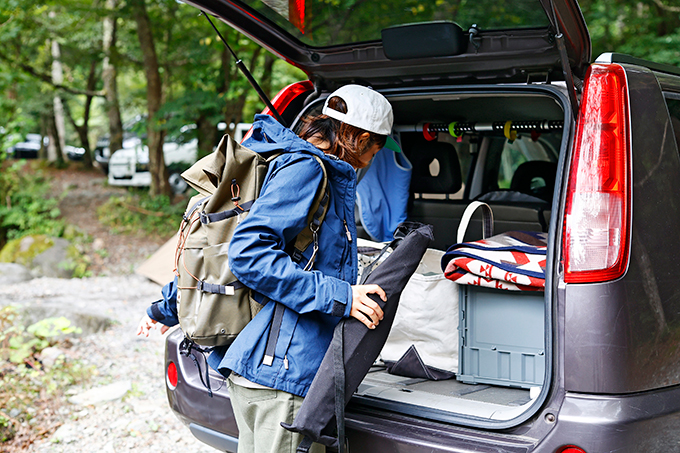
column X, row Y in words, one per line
column 215, row 439
column 210, row 419
column 117, row 177
column 648, row 421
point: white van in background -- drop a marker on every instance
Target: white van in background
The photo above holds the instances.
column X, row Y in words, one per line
column 129, row 166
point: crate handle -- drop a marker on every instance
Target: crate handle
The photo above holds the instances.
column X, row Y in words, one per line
column 487, row 217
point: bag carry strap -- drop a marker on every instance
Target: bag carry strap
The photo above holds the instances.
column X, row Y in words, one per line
column 487, row 220
column 223, row 215
column 316, row 216
column 400, row 233
column 185, row 348
column 305, row 445
column 212, row 288
column 339, row 377
column 273, row 336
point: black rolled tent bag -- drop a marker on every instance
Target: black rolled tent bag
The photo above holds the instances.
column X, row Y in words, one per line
column 354, row 347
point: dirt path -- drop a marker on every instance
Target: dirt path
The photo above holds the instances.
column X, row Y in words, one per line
column 85, row 192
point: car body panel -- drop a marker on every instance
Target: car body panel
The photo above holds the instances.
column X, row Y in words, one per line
column 506, row 55
column 628, row 326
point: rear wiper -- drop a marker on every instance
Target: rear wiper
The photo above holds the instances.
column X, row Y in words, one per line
column 249, row 76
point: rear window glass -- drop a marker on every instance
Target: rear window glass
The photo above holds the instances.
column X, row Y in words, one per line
column 323, row 23
column 517, row 152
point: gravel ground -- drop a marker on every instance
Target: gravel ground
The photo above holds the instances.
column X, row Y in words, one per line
column 138, row 417
column 129, row 369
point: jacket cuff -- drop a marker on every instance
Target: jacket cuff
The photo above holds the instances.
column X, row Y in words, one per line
column 342, row 308
column 154, row 312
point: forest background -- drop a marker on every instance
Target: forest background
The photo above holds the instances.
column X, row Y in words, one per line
column 80, row 70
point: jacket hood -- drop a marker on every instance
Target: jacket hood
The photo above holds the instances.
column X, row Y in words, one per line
column 269, row 136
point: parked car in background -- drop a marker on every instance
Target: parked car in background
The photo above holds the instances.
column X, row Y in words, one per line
column 132, row 130
column 27, row 149
column 129, row 166
column 595, row 366
column 75, row 153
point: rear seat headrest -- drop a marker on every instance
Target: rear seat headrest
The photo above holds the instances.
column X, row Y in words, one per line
column 426, row 155
column 536, row 178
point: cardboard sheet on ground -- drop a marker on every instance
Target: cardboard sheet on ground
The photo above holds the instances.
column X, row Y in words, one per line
column 158, row 268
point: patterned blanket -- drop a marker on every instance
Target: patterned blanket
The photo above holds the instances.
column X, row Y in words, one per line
column 513, row 261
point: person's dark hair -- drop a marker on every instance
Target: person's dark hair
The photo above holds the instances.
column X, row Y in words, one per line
column 344, row 141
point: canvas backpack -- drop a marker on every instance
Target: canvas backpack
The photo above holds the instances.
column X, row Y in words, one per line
column 212, row 305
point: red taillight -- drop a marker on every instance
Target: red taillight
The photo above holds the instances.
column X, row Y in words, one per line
column 284, row 97
column 571, row 449
column 172, row 375
column 596, row 225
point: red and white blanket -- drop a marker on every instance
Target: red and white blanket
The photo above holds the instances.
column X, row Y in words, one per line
column 512, row 261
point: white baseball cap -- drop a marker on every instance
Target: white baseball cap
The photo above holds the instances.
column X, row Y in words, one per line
column 366, row 109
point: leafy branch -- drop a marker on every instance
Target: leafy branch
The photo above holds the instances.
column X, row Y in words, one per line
column 28, row 69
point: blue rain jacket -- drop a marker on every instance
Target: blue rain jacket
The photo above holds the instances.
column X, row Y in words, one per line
column 315, row 300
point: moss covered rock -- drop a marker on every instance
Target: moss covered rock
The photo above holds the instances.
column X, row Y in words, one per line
column 25, row 249
column 46, row 256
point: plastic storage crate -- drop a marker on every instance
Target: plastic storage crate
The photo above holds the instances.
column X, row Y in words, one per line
column 501, row 337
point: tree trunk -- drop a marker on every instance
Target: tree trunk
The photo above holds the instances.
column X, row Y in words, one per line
column 268, row 68
column 54, row 147
column 154, row 94
column 83, row 129
column 207, row 136
column 44, row 132
column 59, row 123
column 110, row 78
column 234, row 110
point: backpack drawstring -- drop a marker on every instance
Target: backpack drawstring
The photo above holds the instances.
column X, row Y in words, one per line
column 185, row 348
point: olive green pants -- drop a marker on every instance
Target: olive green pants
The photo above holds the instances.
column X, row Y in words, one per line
column 259, row 413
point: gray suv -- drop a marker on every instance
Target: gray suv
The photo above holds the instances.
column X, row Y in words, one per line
column 507, row 109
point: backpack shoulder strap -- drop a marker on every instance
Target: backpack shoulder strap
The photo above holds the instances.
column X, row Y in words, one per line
column 316, row 216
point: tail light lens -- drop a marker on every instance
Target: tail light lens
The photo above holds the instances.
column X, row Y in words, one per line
column 571, row 449
column 283, row 99
column 597, row 211
column 171, row 375
column 287, row 95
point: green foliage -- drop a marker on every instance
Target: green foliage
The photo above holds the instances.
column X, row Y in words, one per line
column 78, row 262
column 26, row 206
column 26, row 388
column 19, row 344
column 648, row 29
column 139, row 212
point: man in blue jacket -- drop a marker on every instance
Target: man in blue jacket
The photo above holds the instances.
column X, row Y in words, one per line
column 352, row 128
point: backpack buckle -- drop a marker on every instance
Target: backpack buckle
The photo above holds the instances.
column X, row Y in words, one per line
column 205, row 220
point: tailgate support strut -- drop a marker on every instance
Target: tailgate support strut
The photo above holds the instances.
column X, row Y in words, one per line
column 564, row 58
